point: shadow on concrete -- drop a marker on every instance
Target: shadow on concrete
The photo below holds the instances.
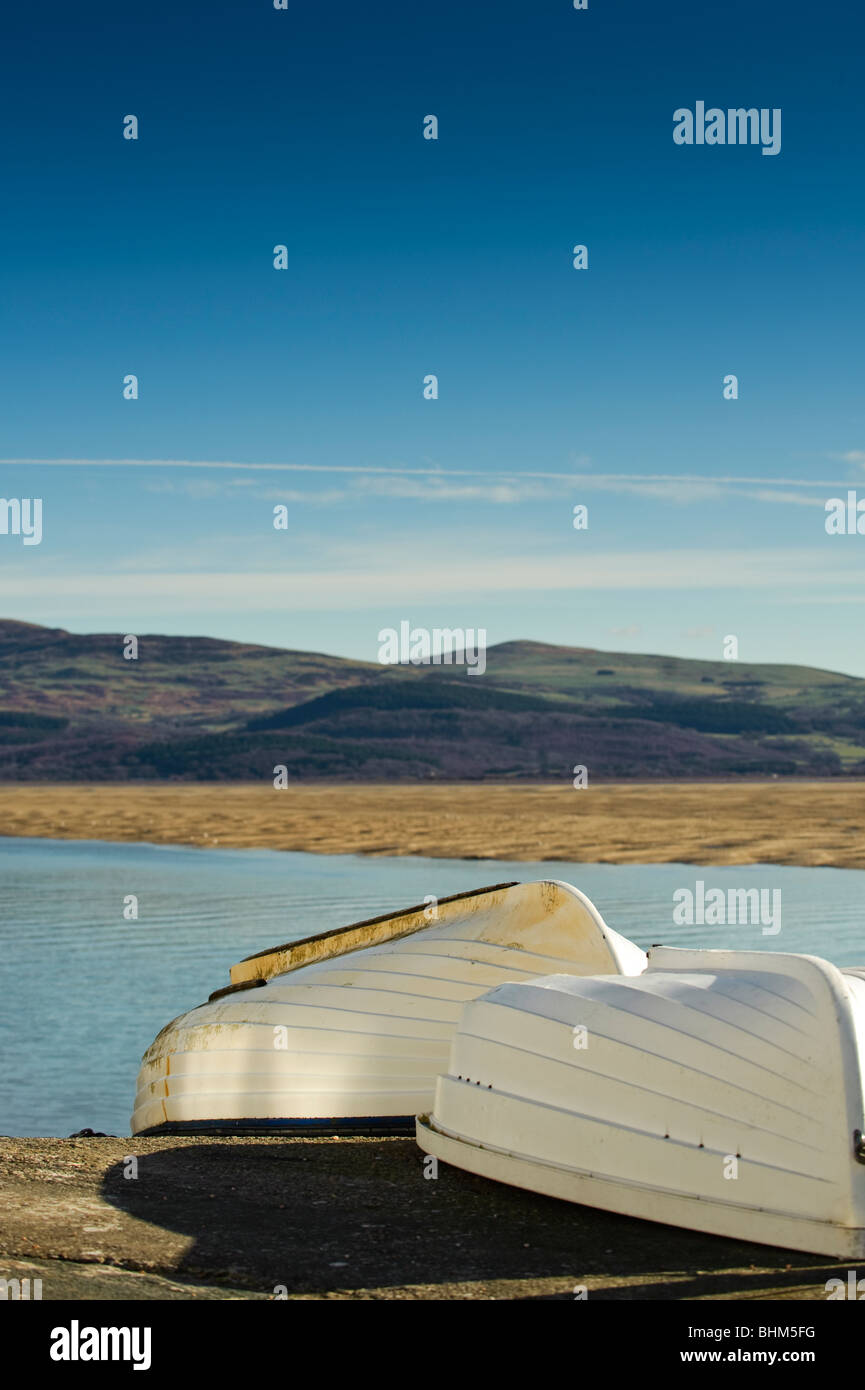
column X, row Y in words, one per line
column 318, row 1217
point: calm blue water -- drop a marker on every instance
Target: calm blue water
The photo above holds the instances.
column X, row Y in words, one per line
column 85, row 992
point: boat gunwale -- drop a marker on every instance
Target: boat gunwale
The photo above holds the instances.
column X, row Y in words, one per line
column 767, row 1226
column 287, row 949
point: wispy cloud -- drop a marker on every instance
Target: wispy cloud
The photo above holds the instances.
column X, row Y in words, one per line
column 431, row 489
column 597, row 479
column 198, row 488
column 793, row 499
column 323, row 497
column 437, row 490
column 795, row 571
column 432, row 483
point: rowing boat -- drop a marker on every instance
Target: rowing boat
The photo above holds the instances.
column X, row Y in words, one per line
column 720, row 1091
column 345, row 1032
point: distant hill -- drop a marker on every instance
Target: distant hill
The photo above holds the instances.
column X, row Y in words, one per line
column 195, row 708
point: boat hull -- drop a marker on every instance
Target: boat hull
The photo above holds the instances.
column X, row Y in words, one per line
column 347, row 1032
column 719, row 1091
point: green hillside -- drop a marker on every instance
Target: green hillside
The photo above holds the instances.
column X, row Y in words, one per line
column 72, row 708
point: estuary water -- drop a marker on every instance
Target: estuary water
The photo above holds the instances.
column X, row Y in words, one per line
column 86, row 989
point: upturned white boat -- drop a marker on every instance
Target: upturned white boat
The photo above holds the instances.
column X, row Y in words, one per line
column 348, row 1030
column 719, row 1090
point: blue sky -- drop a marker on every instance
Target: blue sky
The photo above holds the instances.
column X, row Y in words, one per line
column 406, row 257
